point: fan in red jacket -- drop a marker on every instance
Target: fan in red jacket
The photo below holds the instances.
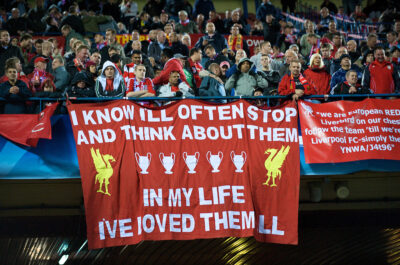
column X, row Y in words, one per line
column 172, row 64
column 381, row 76
column 318, row 75
column 295, row 84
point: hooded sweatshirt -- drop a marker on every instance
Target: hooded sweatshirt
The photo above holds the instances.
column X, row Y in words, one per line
column 118, row 85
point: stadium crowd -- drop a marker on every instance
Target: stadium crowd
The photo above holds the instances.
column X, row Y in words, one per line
column 316, row 58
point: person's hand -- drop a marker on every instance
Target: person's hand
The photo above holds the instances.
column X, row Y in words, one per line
column 48, row 89
column 14, row 90
column 299, row 92
column 352, row 90
column 152, row 61
column 295, row 97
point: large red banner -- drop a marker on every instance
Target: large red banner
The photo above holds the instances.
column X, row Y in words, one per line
column 345, row 131
column 188, row 170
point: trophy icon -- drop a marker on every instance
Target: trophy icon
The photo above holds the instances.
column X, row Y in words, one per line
column 168, row 162
column 214, row 160
column 238, row 160
column 191, row 161
column 143, row 162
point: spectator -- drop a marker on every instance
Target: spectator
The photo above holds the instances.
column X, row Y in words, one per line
column 235, row 20
column 244, row 82
column 129, row 69
column 257, row 29
column 140, row 86
column 92, row 22
column 163, row 21
column 155, row 48
column 52, row 27
column 326, row 55
column 73, row 20
column 195, row 66
column 144, row 43
column 372, row 41
column 99, row 42
column 288, row 4
column 25, row 43
column 177, row 46
column 358, row 15
column 365, row 60
column 111, row 8
column 266, row 8
column 284, row 68
column 332, row 30
column 271, row 76
column 185, row 25
column 172, row 7
column 154, row 7
column 287, row 38
column 69, row 33
column 331, row 6
column 381, row 76
column 335, row 64
column 352, row 50
column 218, row 22
column 16, row 25
column 14, row 62
column 265, row 49
column 236, row 40
column 294, row 84
column 234, row 68
column 271, row 29
column 7, row 50
column 391, row 38
column 170, row 64
column 187, row 41
column 91, row 72
column 318, row 75
column 203, row 7
column 395, row 56
column 174, row 88
column 129, row 9
column 39, row 74
column 326, row 18
column 35, row 16
column 96, row 58
column 351, row 85
column 61, row 76
column 212, row 85
column 305, row 43
column 200, row 22
column 14, row 91
column 143, row 23
column 111, row 38
column 110, row 83
column 79, row 63
column 47, row 90
column 340, row 75
column 81, row 86
column 211, row 38
column 213, row 56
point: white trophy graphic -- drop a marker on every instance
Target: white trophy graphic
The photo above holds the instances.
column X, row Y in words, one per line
column 214, row 160
column 168, row 162
column 143, row 162
column 191, row 161
column 238, row 160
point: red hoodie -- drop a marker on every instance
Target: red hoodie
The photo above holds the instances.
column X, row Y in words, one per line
column 171, row 65
column 320, row 78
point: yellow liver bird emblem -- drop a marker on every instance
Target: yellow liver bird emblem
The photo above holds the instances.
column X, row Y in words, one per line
column 274, row 163
column 103, row 168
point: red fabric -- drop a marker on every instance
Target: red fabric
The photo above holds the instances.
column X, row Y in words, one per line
column 40, row 76
column 128, row 73
column 134, row 159
column 196, row 69
column 381, row 77
column 171, row 65
column 320, row 78
column 345, row 131
column 287, row 87
column 135, row 85
column 27, row 129
column 109, row 84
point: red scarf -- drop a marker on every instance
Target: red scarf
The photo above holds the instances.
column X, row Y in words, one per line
column 78, row 65
column 174, row 88
column 109, row 85
column 184, row 23
column 302, row 80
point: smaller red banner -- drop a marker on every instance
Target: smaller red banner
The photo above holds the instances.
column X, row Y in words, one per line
column 27, row 129
column 345, row 131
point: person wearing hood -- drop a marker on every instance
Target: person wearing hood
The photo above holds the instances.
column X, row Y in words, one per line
column 317, row 74
column 110, row 83
column 244, row 81
column 81, row 86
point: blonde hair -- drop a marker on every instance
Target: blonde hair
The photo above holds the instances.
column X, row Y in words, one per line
column 313, row 58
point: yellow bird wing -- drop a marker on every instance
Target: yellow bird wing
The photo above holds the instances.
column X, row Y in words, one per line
column 280, row 157
column 97, row 159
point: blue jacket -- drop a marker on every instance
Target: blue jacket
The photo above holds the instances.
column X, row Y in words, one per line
column 340, row 76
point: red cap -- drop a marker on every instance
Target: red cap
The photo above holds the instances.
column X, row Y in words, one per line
column 40, row 59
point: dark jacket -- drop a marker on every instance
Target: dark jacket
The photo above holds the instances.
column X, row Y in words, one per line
column 75, row 91
column 217, row 41
column 14, row 102
column 9, row 52
column 344, row 87
column 178, row 47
